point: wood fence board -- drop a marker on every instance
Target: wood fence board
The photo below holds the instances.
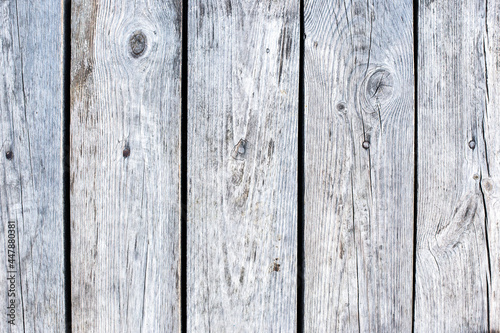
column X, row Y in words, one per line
column 359, row 166
column 452, row 266
column 490, row 176
column 125, row 157
column 31, row 206
column 242, row 166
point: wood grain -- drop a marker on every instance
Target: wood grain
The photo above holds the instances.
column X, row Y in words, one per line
column 31, row 207
column 125, row 121
column 452, row 267
column 359, row 166
column 490, row 176
column 242, row 166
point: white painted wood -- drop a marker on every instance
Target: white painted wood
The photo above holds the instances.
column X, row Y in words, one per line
column 452, row 267
column 125, row 122
column 359, row 166
column 31, row 178
column 242, row 166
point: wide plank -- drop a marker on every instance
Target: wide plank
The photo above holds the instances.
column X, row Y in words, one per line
column 31, row 171
column 125, row 157
column 452, row 264
column 359, row 166
column 243, row 63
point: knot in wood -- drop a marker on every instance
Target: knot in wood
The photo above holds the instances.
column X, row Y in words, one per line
column 137, row 43
column 379, row 85
column 487, row 185
column 239, row 150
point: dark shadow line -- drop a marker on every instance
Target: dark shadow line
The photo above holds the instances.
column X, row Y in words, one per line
column 183, row 167
column 415, row 161
column 300, row 181
column 66, row 116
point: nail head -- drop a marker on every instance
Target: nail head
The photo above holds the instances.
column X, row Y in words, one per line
column 126, row 152
column 366, row 144
column 9, row 155
column 472, row 144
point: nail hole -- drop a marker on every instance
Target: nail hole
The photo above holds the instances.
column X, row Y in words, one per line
column 267, row 50
column 126, row 152
column 9, row 155
column 366, row 144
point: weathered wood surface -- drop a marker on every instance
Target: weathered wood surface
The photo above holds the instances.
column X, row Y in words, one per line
column 125, row 122
column 242, row 166
column 359, row 166
column 490, row 182
column 31, row 166
column 457, row 135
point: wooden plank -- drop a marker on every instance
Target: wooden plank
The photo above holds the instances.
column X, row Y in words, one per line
column 242, row 166
column 452, row 267
column 31, row 206
column 359, row 166
column 490, row 176
column 125, row 154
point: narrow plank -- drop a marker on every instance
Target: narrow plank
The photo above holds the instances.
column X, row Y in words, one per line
column 490, row 176
column 242, row 166
column 359, row 166
column 125, row 119
column 452, row 266
column 31, row 206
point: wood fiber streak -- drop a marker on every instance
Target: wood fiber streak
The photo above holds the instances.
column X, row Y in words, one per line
column 455, row 184
column 31, row 176
column 359, row 166
column 243, row 67
column 125, row 157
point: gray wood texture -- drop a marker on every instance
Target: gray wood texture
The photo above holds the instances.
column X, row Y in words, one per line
column 452, row 262
column 490, row 182
column 359, row 166
column 31, row 166
column 125, row 153
column 242, row 166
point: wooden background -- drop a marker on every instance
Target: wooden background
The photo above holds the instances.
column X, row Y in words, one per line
column 250, row 166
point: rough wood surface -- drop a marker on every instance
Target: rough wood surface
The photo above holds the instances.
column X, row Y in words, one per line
column 490, row 183
column 125, row 115
column 242, row 166
column 31, row 207
column 452, row 264
column 359, row 166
